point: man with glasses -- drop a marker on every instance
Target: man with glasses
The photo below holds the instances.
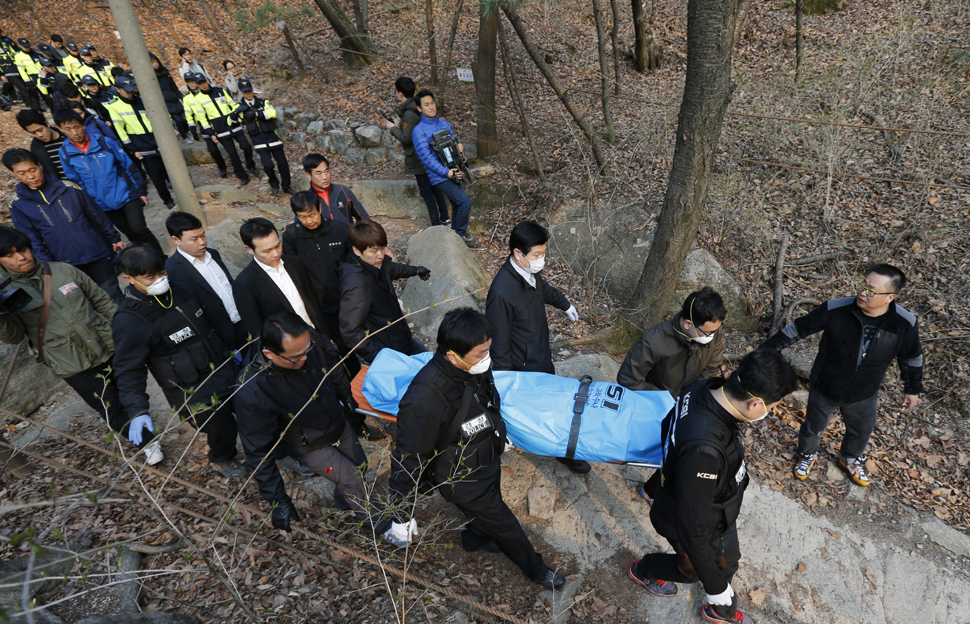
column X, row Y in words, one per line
column 674, row 354
column 861, row 337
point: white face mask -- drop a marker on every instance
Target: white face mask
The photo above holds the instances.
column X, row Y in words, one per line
column 534, row 265
column 703, row 339
column 482, row 365
column 158, row 287
column 754, row 420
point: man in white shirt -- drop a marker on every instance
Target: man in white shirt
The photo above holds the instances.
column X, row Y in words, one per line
column 199, row 269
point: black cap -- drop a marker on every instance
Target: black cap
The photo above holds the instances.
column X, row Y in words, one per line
column 46, row 62
column 190, row 77
column 45, row 48
column 200, row 77
column 89, row 80
column 70, row 45
column 23, row 42
column 123, row 82
column 86, row 50
column 245, row 85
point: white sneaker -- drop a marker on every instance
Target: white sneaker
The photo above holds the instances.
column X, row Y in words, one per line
column 188, row 141
column 153, row 453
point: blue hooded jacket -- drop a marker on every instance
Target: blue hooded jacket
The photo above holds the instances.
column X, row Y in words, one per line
column 106, row 173
column 62, row 223
column 95, row 126
column 421, row 137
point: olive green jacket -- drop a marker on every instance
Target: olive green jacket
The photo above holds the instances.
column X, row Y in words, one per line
column 78, row 334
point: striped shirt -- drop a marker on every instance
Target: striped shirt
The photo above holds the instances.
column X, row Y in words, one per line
column 52, row 148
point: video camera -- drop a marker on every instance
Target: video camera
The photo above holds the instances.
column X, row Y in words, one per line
column 446, row 148
column 13, row 300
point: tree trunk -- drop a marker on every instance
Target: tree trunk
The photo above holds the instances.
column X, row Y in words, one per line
column 485, row 82
column 517, row 100
column 582, row 122
column 799, row 10
column 432, row 51
column 292, row 46
column 707, row 92
column 358, row 50
column 215, row 26
column 647, row 51
column 605, row 92
column 360, row 14
column 615, row 36
column 744, row 7
column 446, row 75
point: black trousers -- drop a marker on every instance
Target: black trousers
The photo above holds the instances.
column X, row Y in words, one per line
column 352, row 363
column 266, row 157
column 28, row 92
column 103, row 273
column 218, row 424
column 338, row 464
column 130, row 220
column 97, row 384
column 155, row 169
column 181, row 124
column 433, row 198
column 479, row 497
column 227, row 144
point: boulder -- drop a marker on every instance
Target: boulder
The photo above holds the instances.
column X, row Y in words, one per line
column 333, row 124
column 298, row 139
column 282, row 132
column 375, row 155
column 341, row 141
column 275, row 211
column 196, row 154
column 304, row 119
column 455, row 271
column 388, row 140
column 214, row 188
column 395, row 156
column 400, row 198
column 323, row 143
column 599, row 366
column 301, row 182
column 235, row 195
column 369, row 136
column 30, row 383
column 610, row 245
column 292, row 125
column 291, row 112
column 315, row 127
column 355, row 155
column 354, row 125
column 225, row 238
column 470, row 151
column 485, row 171
column 148, row 617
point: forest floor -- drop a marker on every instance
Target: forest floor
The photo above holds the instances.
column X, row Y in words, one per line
column 794, row 161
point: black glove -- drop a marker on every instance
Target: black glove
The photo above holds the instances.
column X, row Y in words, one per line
column 283, row 512
column 424, row 273
column 250, row 115
column 350, row 409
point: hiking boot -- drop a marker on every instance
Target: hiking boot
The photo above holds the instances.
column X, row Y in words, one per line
column 445, row 222
column 274, row 190
column 223, row 173
column 642, row 491
column 740, row 617
column 243, row 179
column 471, row 241
column 804, row 466
column 231, row 469
column 663, row 589
column 292, row 464
column 855, row 467
column 552, row 580
column 153, row 453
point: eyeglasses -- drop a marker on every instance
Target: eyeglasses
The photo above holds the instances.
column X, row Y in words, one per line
column 297, row 359
column 690, row 317
column 869, row 292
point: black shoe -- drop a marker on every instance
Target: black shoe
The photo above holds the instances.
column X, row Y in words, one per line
column 368, row 432
column 170, row 204
column 168, row 185
column 254, row 171
column 289, row 190
column 230, row 469
column 291, row 464
column 244, row 180
column 576, row 465
column 223, row 173
column 553, row 580
column 274, row 191
column 446, row 222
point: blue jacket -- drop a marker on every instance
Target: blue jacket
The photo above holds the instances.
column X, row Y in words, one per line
column 421, row 138
column 106, row 173
column 95, row 126
column 62, row 223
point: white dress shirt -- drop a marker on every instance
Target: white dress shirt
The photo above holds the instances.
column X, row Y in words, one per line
column 217, row 279
column 285, row 283
column 529, row 278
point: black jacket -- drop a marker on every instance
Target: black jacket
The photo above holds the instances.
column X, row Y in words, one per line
column 340, row 204
column 368, row 303
column 703, row 478
column 842, row 370
column 187, row 278
column 170, row 92
column 410, row 117
column 258, row 297
column 46, row 162
column 268, row 399
column 517, row 311
column 322, row 251
column 425, row 414
column 148, row 336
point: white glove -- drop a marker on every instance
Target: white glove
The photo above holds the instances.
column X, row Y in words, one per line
column 721, row 600
column 572, row 313
column 137, row 425
column 400, row 535
column 508, row 445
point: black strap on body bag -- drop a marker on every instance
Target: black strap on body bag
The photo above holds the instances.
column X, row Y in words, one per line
column 466, row 402
column 581, row 397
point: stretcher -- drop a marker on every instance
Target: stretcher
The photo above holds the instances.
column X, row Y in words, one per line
column 544, row 414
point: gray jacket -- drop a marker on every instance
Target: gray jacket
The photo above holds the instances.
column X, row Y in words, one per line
column 410, row 117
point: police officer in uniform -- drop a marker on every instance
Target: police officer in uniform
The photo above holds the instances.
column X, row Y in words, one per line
column 92, row 64
column 72, row 62
column 259, row 117
column 164, row 330
column 450, row 434
column 28, row 64
column 12, row 82
column 211, row 109
column 130, row 122
column 702, row 482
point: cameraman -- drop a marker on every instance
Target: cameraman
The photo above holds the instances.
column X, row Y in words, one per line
column 441, row 178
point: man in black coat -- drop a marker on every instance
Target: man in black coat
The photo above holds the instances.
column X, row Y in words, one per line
column 197, row 268
column 282, row 395
column 516, row 307
column 450, row 435
column 368, row 302
column 702, row 483
column 164, row 330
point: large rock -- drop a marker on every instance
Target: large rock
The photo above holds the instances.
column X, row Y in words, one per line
column 304, row 119
column 599, row 366
column 290, row 112
column 235, row 195
column 323, row 143
column 31, row 383
column 375, row 155
column 298, row 139
column 369, row 136
column 315, row 127
column 225, row 238
column 388, row 140
column 610, row 245
column 355, row 155
column 341, row 141
column 455, row 271
column 395, row 155
column 333, row 124
column 148, row 617
column 301, row 182
column 400, row 198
